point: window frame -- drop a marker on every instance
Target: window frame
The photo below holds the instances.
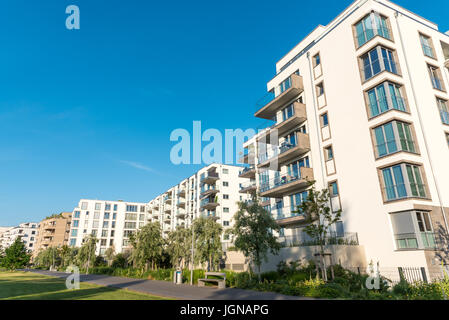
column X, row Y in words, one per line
column 378, row 47
column 375, row 34
column 398, row 89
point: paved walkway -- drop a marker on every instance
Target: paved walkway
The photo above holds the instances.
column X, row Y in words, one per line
column 171, row 290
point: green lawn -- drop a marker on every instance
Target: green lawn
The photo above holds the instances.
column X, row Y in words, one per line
column 31, row 286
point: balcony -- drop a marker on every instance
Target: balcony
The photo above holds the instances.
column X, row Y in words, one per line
column 167, row 219
column 248, row 157
column 248, row 187
column 182, row 192
column 208, row 192
column 181, row 203
column 303, row 240
column 248, row 172
column 268, row 111
column 210, row 178
column 287, row 152
column 287, row 219
column 294, row 120
column 167, row 209
column 285, row 185
column 446, row 63
column 180, row 214
column 208, row 204
column 168, row 199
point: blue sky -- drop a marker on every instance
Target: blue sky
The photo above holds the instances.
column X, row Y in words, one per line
column 88, row 113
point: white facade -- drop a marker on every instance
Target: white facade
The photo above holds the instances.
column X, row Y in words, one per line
column 110, row 221
column 212, row 191
column 382, row 151
column 25, row 231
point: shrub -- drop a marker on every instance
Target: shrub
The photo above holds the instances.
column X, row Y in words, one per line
column 270, row 276
column 119, row 261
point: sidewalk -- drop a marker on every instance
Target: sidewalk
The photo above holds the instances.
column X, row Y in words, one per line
column 171, row 290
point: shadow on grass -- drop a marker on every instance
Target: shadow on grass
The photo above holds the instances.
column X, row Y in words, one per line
column 13, row 288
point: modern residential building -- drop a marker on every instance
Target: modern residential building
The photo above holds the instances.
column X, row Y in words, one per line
column 27, row 232
column 53, row 231
column 111, row 222
column 361, row 107
column 211, row 192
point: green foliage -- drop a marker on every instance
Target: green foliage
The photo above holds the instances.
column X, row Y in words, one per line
column 86, row 254
column 208, row 248
column 120, row 261
column 253, row 232
column 16, row 256
column 179, row 246
column 148, row 246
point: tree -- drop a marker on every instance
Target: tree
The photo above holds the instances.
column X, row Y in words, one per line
column 110, row 254
column 86, row 254
column 179, row 246
column 148, row 246
column 16, row 256
column 319, row 219
column 50, row 257
column 253, row 232
column 208, row 247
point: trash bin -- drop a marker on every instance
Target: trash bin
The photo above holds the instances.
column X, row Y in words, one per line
column 178, row 277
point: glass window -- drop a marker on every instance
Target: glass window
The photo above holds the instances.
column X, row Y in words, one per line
column 392, row 137
column 296, row 200
column 77, row 214
column 435, row 77
column 385, row 97
column 131, row 208
column 316, row 60
column 427, row 46
column 447, row 138
column 226, row 210
column 106, row 215
column 333, row 188
column 98, row 206
column 370, row 26
column 74, row 232
column 444, row 110
column 84, row 206
column 107, row 207
column 115, row 207
column 403, row 181
column 76, row 223
column 225, row 171
column 288, row 112
column 329, row 153
column 324, row 120
column 377, row 60
column 72, row 242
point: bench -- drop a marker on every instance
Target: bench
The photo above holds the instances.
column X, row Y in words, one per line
column 220, row 282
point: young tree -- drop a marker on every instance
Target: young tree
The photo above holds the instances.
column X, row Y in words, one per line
column 208, row 247
column 179, row 246
column 253, row 232
column 16, row 256
column 319, row 218
column 86, row 254
column 148, row 246
column 110, row 254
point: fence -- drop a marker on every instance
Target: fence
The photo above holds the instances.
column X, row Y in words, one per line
column 348, row 238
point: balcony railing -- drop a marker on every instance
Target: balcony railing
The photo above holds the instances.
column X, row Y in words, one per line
column 288, row 90
column 251, row 185
column 346, row 239
column 419, row 240
column 208, row 202
column 279, row 181
column 209, row 177
column 404, row 191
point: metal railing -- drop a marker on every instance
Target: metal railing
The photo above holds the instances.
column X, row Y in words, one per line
column 279, row 181
column 284, row 147
column 365, row 36
column 246, row 185
column 207, row 201
column 403, row 191
column 209, row 175
column 346, row 239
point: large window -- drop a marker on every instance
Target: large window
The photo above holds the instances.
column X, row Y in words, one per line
column 413, row 230
column 293, row 169
column 296, row 200
column 444, row 110
column 130, row 208
column 403, row 181
column 377, row 60
column 370, row 26
column 392, row 137
column 426, row 44
column 435, row 77
column 288, row 112
column 385, row 97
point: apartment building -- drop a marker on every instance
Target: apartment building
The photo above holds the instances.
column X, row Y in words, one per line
column 213, row 192
column 53, row 231
column 27, row 232
column 361, row 107
column 111, row 222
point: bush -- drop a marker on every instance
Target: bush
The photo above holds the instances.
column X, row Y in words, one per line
column 270, row 276
column 245, row 280
column 119, row 261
